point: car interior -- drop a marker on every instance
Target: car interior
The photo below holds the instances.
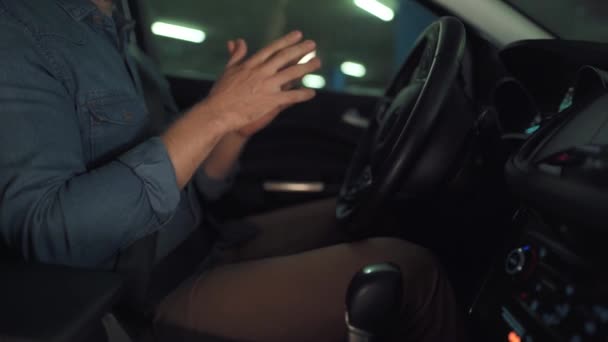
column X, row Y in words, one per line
column 479, row 129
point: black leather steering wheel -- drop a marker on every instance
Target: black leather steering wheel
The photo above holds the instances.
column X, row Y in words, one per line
column 414, row 138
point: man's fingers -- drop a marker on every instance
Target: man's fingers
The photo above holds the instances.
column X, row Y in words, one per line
column 240, row 51
column 292, row 97
column 231, row 47
column 295, row 83
column 278, row 45
column 290, row 85
column 293, row 62
column 297, row 71
column 285, row 57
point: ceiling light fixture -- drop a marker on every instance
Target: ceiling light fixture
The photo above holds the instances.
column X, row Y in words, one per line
column 314, row 81
column 308, row 57
column 376, row 8
column 178, row 32
column 353, row 69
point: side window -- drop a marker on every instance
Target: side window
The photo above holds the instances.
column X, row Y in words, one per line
column 361, row 42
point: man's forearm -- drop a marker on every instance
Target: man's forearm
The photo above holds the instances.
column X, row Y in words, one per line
column 221, row 161
column 246, row 94
column 191, row 139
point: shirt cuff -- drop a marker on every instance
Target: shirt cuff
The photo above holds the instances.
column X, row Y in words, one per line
column 151, row 163
column 212, row 189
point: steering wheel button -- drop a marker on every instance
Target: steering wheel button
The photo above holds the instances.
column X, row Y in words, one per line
column 576, row 338
column 569, row 290
column 563, row 310
column 551, row 319
column 590, row 328
column 516, row 261
column 601, row 313
column 534, row 305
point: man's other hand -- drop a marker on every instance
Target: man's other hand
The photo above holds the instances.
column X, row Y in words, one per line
column 253, row 91
column 247, row 97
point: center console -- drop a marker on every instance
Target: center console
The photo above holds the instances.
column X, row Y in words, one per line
column 550, row 283
column 542, row 289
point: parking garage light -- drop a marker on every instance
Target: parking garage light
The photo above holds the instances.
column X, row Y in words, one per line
column 314, row 81
column 178, row 32
column 376, row 8
column 353, row 69
column 308, row 57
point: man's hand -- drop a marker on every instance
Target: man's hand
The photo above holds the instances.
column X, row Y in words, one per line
column 249, row 94
column 225, row 154
column 234, row 46
column 252, row 92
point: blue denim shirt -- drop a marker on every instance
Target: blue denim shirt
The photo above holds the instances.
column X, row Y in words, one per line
column 80, row 176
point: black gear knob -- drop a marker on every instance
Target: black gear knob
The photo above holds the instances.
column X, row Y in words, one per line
column 373, row 301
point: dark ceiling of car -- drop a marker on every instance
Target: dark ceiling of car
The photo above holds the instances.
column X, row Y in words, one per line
column 569, row 19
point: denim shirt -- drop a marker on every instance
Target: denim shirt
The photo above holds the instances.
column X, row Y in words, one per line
column 81, row 177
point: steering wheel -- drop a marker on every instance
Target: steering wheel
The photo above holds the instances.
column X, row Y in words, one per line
column 417, row 133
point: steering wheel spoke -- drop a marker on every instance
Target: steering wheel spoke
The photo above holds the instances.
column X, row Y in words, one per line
column 382, row 108
column 361, row 184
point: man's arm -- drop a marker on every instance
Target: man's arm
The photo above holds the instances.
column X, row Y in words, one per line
column 248, row 96
column 54, row 209
column 223, row 159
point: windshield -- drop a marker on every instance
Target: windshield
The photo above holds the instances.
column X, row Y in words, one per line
column 569, row 19
column 362, row 42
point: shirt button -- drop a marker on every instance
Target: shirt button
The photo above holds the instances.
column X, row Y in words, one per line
column 128, row 116
column 98, row 19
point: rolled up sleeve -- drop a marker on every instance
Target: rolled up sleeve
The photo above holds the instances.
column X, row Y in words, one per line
column 150, row 162
column 52, row 207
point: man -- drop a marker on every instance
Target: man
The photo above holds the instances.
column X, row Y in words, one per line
column 82, row 178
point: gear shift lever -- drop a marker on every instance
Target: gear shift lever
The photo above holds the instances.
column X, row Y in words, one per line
column 373, row 302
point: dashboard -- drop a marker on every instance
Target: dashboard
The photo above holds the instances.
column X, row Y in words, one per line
column 550, row 282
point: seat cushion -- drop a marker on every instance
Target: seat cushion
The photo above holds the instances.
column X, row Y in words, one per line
column 49, row 303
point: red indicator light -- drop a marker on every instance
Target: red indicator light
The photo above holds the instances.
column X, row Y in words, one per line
column 564, row 157
column 513, row 337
